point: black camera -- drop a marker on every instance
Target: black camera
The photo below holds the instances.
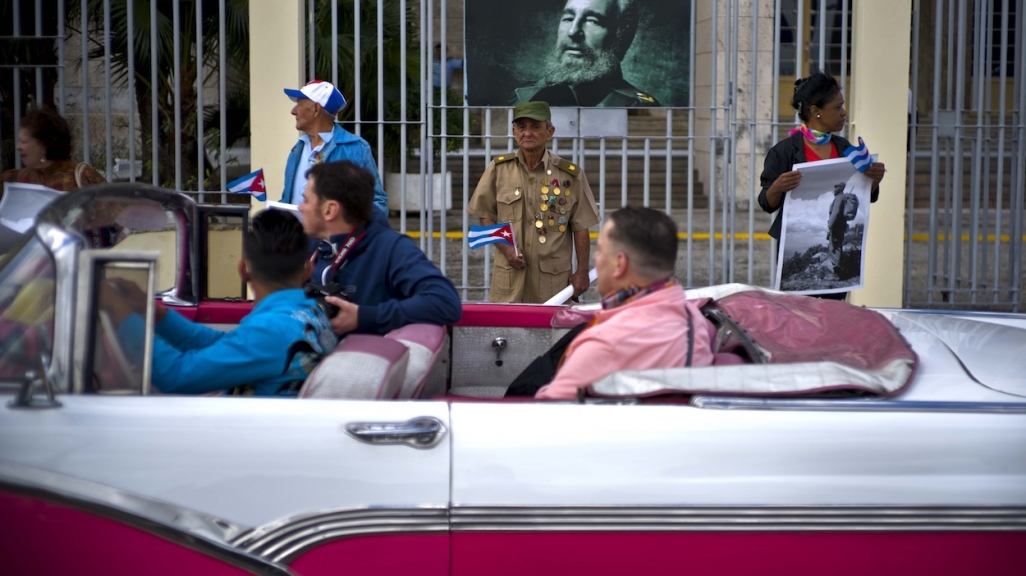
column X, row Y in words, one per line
column 319, row 291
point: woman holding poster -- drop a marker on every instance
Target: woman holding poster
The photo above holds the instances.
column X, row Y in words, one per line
column 820, row 107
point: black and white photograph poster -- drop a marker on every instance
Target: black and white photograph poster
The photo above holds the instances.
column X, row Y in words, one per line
column 590, row 53
column 823, row 234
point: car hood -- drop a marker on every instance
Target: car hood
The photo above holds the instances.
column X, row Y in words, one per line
column 991, row 349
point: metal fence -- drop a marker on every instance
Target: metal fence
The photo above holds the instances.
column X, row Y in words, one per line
column 967, row 155
column 170, row 107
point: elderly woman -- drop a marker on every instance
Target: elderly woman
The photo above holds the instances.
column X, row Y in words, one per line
column 44, row 143
column 820, row 107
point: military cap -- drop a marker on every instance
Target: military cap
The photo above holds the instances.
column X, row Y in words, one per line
column 532, row 110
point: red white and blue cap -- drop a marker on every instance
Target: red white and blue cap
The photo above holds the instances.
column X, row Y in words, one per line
column 321, row 92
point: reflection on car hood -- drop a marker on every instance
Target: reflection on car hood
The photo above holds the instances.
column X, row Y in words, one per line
column 993, row 354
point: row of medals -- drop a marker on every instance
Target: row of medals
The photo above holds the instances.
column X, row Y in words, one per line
column 551, row 203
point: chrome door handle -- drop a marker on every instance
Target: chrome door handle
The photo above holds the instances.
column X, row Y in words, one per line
column 423, row 432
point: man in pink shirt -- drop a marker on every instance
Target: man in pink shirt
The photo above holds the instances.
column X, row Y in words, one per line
column 645, row 314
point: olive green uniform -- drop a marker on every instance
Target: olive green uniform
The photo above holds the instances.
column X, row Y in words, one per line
column 543, row 227
column 613, row 92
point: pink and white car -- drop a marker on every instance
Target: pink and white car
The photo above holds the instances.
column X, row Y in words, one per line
column 402, row 459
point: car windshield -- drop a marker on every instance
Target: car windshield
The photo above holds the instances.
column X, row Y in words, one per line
column 27, row 300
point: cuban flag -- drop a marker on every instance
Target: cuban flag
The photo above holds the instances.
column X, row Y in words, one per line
column 250, row 184
column 481, row 235
column 859, row 156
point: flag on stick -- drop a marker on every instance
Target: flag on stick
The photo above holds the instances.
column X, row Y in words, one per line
column 859, row 156
column 481, row 235
column 250, row 184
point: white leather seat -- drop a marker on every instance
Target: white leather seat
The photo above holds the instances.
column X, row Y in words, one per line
column 424, row 342
column 362, row 367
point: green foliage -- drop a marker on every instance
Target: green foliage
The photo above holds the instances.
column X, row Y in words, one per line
column 165, row 85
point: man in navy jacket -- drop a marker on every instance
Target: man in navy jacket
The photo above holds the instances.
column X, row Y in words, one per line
column 386, row 279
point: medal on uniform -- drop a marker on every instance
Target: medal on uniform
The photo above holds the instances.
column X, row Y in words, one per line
column 517, row 191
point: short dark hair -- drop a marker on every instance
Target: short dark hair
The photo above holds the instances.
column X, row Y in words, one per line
column 52, row 130
column 275, row 247
column 649, row 237
column 350, row 185
column 815, row 90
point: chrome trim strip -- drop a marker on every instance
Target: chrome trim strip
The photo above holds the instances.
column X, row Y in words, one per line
column 714, row 519
column 64, row 248
column 284, row 540
column 865, row 405
column 196, row 531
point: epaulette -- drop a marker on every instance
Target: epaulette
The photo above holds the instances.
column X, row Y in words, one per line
column 567, row 166
column 504, row 157
column 644, row 97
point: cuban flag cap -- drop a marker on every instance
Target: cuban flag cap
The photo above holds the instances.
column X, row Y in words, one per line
column 481, row 235
column 859, row 156
column 252, row 183
column 321, row 92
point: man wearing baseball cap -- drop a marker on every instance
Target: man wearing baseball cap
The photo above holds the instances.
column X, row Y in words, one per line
column 549, row 203
column 323, row 140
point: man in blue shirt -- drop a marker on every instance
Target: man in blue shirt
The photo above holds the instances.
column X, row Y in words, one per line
column 385, row 277
column 323, row 140
column 450, row 64
column 273, row 349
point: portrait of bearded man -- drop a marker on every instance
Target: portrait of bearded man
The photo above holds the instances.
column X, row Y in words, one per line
column 583, row 68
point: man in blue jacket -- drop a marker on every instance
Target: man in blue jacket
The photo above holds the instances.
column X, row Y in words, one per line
column 385, row 277
column 323, row 140
column 273, row 349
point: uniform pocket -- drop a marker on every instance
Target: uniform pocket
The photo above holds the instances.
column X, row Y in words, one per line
column 554, row 276
column 502, row 280
column 509, row 206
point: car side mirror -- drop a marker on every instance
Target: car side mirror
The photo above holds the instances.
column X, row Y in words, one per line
column 113, row 346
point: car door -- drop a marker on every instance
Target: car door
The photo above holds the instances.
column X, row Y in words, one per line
column 315, row 485
column 557, row 488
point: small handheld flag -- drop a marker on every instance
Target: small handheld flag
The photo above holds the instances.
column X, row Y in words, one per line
column 481, row 235
column 250, row 184
column 859, row 156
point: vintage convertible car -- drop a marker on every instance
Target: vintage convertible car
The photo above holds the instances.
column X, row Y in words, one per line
column 401, row 458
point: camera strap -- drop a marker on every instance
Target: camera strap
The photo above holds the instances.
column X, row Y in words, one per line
column 340, row 257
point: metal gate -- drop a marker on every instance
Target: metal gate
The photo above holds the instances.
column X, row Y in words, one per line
column 135, row 107
column 967, row 155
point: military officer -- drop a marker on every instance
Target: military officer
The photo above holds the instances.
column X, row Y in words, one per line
column 549, row 203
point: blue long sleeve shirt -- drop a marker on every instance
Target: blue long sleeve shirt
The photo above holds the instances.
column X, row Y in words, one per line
column 273, row 349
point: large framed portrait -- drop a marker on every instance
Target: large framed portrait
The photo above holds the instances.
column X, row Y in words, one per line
column 591, row 53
